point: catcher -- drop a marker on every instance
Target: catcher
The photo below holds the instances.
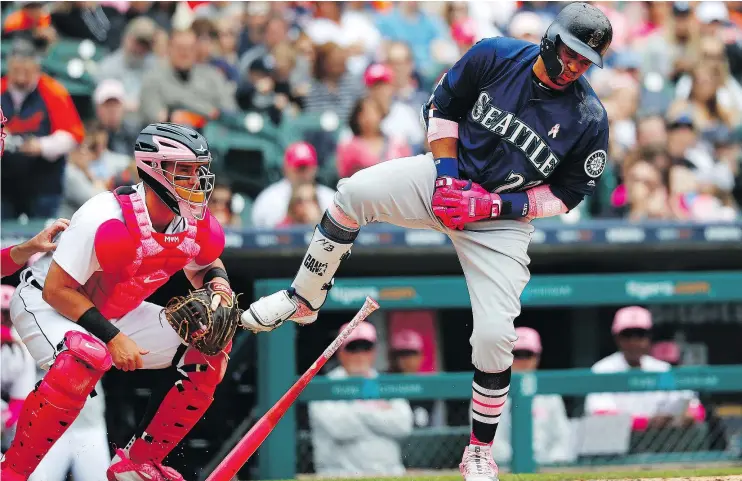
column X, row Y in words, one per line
column 82, row 309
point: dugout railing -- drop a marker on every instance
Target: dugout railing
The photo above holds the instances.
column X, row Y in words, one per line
column 277, row 458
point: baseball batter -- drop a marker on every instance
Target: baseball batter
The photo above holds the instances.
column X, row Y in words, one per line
column 516, row 134
column 82, row 309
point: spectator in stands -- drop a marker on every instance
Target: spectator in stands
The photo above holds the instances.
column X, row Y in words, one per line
column 651, row 131
column 109, row 98
column 81, row 181
column 646, row 195
column 702, row 104
column 399, row 120
column 222, row 206
column 551, row 429
column 359, row 437
column 205, row 31
column 303, row 207
column 407, row 87
column 527, row 26
column 276, row 30
column 130, row 62
column 45, row 126
column 32, row 18
column 672, row 50
column 256, row 16
column 257, row 93
column 299, row 167
column 333, row 89
column 631, row 329
column 183, row 91
column 368, row 146
column 406, row 357
column 18, row 370
column 225, row 58
column 422, row 31
column 464, row 34
column 350, row 29
column 712, row 53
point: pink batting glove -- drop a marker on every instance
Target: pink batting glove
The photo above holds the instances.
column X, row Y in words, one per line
column 15, row 406
column 457, row 206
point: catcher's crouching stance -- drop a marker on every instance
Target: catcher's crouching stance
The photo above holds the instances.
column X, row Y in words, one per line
column 82, row 309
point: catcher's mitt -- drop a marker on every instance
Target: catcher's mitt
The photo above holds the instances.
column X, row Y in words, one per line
column 195, row 322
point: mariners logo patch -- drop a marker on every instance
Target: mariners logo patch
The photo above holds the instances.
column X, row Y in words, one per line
column 595, row 163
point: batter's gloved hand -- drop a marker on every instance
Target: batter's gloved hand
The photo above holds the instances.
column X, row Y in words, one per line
column 207, row 325
column 456, row 206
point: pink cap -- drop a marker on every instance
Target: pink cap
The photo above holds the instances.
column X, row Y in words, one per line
column 107, row 90
column 300, row 154
column 667, row 351
column 6, row 292
column 528, row 340
column 407, row 340
column 632, row 317
column 464, row 31
column 364, row 332
column 378, row 73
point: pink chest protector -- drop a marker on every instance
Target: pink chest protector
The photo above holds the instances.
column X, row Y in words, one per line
column 135, row 260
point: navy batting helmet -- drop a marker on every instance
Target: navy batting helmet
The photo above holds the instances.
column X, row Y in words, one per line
column 581, row 27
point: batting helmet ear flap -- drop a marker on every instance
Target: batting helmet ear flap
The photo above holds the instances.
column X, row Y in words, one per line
column 549, row 54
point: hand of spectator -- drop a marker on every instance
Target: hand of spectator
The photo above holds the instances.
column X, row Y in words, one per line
column 660, row 421
column 31, row 147
column 264, row 85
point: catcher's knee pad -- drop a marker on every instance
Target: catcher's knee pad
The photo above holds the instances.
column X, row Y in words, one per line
column 57, row 399
column 183, row 405
column 330, row 245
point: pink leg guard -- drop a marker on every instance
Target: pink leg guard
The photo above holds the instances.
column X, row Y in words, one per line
column 184, row 404
column 56, row 402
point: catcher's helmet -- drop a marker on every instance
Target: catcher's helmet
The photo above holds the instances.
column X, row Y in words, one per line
column 176, row 144
column 581, row 27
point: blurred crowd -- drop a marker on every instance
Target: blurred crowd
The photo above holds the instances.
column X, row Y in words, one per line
column 671, row 86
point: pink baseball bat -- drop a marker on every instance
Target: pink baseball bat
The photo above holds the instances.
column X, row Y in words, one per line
column 247, row 446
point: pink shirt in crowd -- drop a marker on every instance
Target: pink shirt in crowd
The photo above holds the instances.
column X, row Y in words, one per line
column 354, row 155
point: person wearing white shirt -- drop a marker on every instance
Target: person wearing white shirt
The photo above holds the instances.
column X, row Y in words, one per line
column 631, row 330
column 360, row 436
column 299, row 167
column 551, row 429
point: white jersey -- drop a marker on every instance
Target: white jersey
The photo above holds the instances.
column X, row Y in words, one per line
column 17, row 370
column 75, row 252
column 635, row 403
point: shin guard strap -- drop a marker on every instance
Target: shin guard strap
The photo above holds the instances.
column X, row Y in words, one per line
column 183, row 406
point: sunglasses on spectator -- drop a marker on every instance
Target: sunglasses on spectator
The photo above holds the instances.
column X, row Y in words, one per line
column 406, row 352
column 359, row 346
column 523, row 354
column 634, row 332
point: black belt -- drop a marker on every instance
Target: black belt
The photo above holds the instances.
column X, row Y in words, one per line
column 29, row 279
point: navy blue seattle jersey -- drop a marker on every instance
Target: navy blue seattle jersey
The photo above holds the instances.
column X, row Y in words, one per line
column 516, row 133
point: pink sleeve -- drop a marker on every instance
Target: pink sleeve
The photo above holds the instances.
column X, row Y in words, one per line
column 543, row 203
column 7, row 266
